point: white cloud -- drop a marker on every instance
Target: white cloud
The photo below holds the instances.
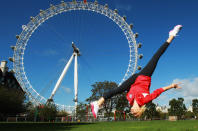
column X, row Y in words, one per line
column 189, row 89
column 62, row 60
column 67, row 90
column 50, row 52
column 123, row 7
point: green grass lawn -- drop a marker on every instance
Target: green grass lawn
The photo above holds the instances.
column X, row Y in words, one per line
column 104, row 126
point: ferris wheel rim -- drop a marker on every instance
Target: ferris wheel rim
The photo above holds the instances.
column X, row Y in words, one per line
column 54, row 10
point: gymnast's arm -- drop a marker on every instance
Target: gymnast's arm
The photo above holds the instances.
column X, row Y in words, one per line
column 157, row 92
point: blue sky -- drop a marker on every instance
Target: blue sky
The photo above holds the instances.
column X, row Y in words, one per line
column 104, row 47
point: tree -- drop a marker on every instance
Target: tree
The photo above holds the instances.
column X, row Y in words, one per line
column 122, row 105
column 62, row 113
column 195, row 107
column 189, row 115
column 163, row 115
column 98, row 90
column 81, row 112
column 177, row 108
column 12, row 101
column 30, row 111
column 47, row 112
column 151, row 111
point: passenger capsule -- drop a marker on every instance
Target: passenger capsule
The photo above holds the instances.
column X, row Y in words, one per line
column 140, row 56
column 139, row 45
column 124, row 18
column 95, row 2
column 13, row 47
column 31, row 18
column 11, row 59
column 106, row 5
column 131, row 26
column 136, row 35
column 139, row 67
column 116, row 11
column 17, row 36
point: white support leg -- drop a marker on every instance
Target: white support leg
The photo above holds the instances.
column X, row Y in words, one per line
column 61, row 76
column 76, row 81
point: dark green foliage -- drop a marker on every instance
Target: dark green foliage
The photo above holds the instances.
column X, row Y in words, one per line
column 122, row 103
column 177, row 108
column 151, row 112
column 189, row 115
column 162, row 115
column 12, row 102
column 62, row 114
column 122, row 106
column 47, row 112
column 195, row 107
column 30, row 111
column 82, row 112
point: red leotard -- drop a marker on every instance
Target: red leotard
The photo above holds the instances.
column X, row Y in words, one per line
column 140, row 91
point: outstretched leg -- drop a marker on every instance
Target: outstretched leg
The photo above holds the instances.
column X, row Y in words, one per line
column 150, row 67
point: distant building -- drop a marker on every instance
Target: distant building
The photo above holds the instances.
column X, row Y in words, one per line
column 7, row 78
column 173, row 118
column 190, row 109
column 163, row 109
